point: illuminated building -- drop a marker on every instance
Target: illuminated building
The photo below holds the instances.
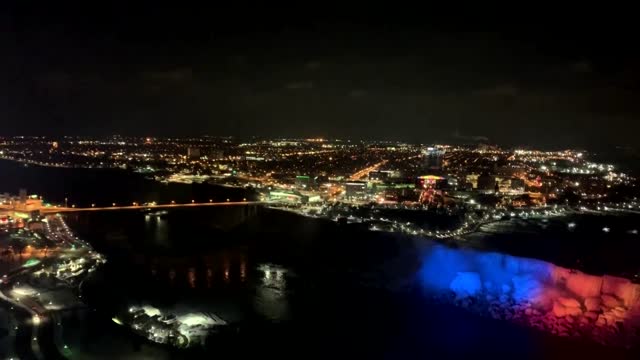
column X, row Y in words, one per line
column 486, row 183
column 193, row 153
column 517, row 185
column 430, row 181
column 303, row 181
column 464, row 186
column 288, row 197
column 504, row 184
column 433, row 158
column 473, row 180
column 217, row 154
column 378, row 175
column 6, row 198
column 431, row 186
column 356, row 189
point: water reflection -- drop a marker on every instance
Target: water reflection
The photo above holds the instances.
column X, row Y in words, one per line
column 209, row 277
column 227, row 268
column 172, row 276
column 192, row 277
column 271, row 298
column 243, row 270
column 273, row 275
column 156, row 226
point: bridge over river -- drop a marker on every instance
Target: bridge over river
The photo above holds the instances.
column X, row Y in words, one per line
column 135, row 206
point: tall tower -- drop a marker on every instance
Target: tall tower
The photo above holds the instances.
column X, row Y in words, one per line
column 433, row 158
column 23, row 197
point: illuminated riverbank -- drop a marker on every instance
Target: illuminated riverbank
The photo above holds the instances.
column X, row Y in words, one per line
column 535, row 293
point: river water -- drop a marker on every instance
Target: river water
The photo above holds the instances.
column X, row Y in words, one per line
column 285, row 284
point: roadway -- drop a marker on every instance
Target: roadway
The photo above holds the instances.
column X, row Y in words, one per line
column 364, row 172
column 38, row 339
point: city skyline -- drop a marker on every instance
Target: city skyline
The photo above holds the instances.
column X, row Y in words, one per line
column 457, row 139
column 383, row 180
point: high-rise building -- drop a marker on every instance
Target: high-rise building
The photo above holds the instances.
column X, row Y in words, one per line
column 430, row 182
column 433, row 158
column 303, row 181
column 193, row 153
column 23, row 197
column 504, row 184
column 356, row 189
column 216, row 154
column 473, row 180
column 486, row 183
column 517, row 185
column 378, row 175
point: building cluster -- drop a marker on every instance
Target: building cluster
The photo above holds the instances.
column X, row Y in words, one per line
column 451, row 176
column 180, row 330
column 21, row 202
column 301, row 171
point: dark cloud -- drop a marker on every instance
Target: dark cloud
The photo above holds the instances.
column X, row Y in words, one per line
column 502, row 90
column 471, row 138
column 357, row 93
column 313, row 65
column 178, row 72
column 175, row 75
column 55, row 81
column 299, row 85
column 582, row 67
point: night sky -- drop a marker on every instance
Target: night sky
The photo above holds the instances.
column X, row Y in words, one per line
column 410, row 76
